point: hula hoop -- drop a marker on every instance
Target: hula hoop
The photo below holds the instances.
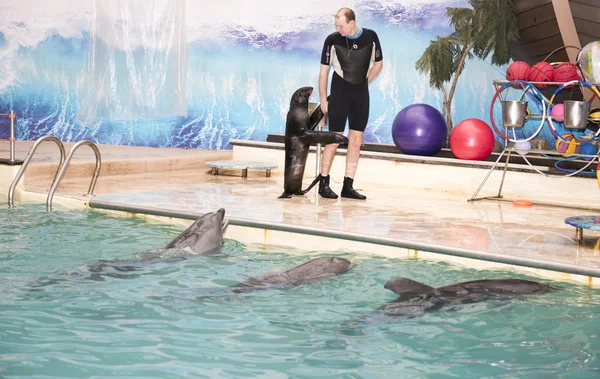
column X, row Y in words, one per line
column 559, row 176
column 560, row 159
column 578, row 67
column 527, row 87
column 568, row 170
column 551, row 124
column 593, row 94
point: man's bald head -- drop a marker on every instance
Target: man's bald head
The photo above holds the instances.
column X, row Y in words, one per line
column 345, row 22
column 347, row 14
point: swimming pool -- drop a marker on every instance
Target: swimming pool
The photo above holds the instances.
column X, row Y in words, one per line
column 175, row 319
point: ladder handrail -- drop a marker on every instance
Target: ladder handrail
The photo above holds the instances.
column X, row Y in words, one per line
column 64, row 166
column 11, row 190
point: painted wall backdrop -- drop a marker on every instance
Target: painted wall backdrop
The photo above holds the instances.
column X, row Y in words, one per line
column 244, row 60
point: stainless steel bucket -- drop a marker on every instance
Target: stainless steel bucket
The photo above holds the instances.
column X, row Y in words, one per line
column 576, row 114
column 513, row 113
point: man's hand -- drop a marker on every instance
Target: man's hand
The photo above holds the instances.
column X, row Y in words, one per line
column 324, row 107
column 375, row 69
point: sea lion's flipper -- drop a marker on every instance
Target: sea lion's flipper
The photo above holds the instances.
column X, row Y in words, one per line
column 285, row 195
column 324, row 138
column 314, row 182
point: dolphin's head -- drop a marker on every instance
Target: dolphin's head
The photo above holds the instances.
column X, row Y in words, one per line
column 203, row 236
column 337, row 265
column 319, row 267
column 407, row 286
column 300, row 97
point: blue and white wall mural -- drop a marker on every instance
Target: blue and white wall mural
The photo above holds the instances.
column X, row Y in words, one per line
column 197, row 76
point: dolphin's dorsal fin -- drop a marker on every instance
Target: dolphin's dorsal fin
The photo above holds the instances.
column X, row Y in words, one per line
column 404, row 285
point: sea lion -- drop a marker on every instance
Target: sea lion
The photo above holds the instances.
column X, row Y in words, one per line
column 298, row 137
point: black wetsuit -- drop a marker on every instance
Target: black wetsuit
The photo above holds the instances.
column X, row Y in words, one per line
column 351, row 59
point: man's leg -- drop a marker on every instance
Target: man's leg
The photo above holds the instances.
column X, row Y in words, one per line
column 337, row 115
column 353, row 155
column 358, row 118
column 326, row 161
column 327, row 158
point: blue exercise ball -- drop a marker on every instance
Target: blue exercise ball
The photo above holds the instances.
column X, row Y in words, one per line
column 588, row 149
column 419, row 129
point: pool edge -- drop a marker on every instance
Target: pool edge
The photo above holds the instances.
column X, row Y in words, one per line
column 277, row 233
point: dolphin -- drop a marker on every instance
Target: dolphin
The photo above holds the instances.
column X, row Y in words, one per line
column 308, row 272
column 203, row 237
column 416, row 297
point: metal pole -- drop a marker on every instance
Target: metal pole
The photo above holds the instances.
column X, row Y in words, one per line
column 318, row 155
column 504, row 173
column 487, row 176
column 12, row 136
column 61, row 147
column 311, row 109
column 63, row 168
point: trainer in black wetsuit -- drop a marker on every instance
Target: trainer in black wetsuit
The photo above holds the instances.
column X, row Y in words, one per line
column 350, row 51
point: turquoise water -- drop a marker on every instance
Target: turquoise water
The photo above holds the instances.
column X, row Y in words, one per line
column 175, row 319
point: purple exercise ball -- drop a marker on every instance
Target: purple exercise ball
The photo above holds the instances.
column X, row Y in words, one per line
column 419, row 129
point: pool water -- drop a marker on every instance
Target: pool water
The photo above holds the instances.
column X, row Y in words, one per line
column 176, row 319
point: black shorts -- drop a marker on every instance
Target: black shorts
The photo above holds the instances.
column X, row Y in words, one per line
column 348, row 102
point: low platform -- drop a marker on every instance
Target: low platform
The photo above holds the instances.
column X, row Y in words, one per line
column 8, row 162
column 241, row 165
column 590, row 222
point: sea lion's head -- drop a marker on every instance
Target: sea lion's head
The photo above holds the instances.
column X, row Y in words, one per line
column 301, row 96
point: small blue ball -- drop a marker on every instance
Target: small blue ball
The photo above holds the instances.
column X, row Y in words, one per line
column 588, row 149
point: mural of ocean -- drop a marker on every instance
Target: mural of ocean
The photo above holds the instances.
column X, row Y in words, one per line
column 245, row 59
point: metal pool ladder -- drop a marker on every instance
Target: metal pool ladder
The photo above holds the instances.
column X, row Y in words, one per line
column 62, row 167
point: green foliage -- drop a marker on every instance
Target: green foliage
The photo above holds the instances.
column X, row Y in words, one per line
column 497, row 25
column 440, row 60
column 485, row 28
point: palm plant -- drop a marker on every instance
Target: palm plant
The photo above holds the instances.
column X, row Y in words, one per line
column 486, row 28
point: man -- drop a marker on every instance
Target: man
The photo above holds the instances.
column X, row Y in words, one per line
column 350, row 51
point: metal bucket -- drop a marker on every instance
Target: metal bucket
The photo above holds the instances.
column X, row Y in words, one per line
column 513, row 113
column 576, row 114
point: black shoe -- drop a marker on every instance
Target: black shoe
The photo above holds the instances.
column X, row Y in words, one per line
column 324, row 189
column 348, row 191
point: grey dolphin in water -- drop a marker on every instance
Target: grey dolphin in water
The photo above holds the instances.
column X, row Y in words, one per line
column 304, row 273
column 417, row 297
column 203, row 237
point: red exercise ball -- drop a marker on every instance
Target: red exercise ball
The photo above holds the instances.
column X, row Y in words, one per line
column 517, row 71
column 472, row 139
column 541, row 72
